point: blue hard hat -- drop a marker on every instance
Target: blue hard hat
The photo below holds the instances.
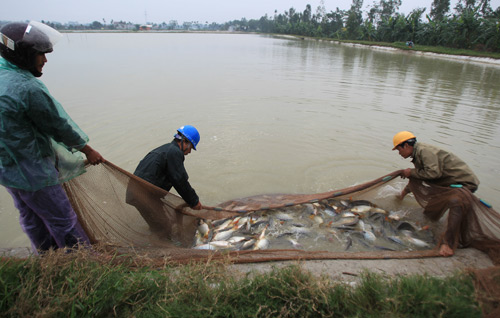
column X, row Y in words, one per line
column 191, row 134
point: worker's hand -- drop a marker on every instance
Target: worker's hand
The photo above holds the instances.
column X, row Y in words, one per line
column 92, row 156
column 198, row 206
column 406, row 173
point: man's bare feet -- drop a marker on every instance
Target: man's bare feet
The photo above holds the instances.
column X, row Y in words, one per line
column 445, row 250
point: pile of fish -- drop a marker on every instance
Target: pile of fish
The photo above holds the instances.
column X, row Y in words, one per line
column 328, row 225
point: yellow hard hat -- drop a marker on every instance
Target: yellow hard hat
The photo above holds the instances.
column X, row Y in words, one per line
column 401, row 137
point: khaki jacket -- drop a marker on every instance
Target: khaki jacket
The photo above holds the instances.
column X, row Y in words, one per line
column 441, row 167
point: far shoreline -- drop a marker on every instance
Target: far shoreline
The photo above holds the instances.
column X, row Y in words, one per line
column 459, row 54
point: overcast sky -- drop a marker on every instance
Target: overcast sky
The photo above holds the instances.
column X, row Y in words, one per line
column 138, row 11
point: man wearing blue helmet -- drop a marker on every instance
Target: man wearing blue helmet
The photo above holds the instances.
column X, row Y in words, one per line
column 164, row 166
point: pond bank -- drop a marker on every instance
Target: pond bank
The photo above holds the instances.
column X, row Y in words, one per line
column 350, row 270
column 461, row 55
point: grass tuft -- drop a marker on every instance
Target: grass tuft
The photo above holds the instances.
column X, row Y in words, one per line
column 79, row 284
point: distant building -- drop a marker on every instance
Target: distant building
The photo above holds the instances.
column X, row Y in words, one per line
column 123, row 25
column 145, row 27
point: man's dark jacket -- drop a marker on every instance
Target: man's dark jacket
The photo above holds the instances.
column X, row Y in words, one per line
column 164, row 167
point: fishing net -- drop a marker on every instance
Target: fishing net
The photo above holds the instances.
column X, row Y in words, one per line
column 124, row 213
column 487, row 286
column 471, row 222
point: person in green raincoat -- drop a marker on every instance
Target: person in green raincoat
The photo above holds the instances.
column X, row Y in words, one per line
column 39, row 142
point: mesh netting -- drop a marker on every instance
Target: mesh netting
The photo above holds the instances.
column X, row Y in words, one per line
column 124, row 212
column 472, row 222
column 487, row 285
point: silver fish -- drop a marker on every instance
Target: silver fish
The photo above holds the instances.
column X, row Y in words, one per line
column 336, row 206
column 417, row 242
column 378, row 210
column 223, row 235
column 207, row 246
column 384, row 248
column 214, row 245
column 377, row 217
column 221, row 244
column 330, row 212
column 248, row 244
column 236, row 239
column 262, row 242
column 347, row 221
column 414, row 240
column 203, row 228
column 347, row 214
column 299, row 229
column 283, row 216
column 317, row 219
column 259, row 224
column 361, row 209
column 345, row 203
column 396, row 240
column 294, row 243
column 198, row 240
column 369, row 236
column 219, row 226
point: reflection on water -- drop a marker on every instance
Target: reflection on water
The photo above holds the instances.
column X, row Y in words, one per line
column 275, row 115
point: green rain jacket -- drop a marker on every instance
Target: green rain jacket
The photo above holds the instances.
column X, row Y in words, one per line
column 441, row 167
column 38, row 139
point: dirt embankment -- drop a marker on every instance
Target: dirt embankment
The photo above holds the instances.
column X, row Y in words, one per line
column 349, row 270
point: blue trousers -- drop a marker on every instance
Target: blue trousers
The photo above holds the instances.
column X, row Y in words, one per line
column 48, row 218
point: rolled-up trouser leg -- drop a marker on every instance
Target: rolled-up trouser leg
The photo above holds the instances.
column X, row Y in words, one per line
column 46, row 215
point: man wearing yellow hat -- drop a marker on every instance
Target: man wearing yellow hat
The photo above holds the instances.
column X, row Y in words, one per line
column 438, row 167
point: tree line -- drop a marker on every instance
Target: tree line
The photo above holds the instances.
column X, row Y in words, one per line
column 472, row 24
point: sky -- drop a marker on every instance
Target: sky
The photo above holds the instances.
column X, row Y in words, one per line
column 158, row 11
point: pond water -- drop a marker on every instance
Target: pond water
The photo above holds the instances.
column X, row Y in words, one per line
column 276, row 115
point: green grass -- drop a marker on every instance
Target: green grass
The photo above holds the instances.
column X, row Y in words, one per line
column 79, row 285
column 446, row 50
column 416, row 47
column 424, row 48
